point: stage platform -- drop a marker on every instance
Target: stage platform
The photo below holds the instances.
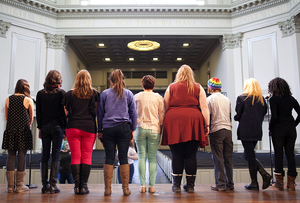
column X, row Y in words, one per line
column 164, row 194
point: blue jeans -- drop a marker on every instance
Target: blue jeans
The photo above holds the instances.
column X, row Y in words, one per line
column 222, row 149
column 147, row 143
column 117, row 136
column 130, row 175
column 62, row 177
column 51, row 133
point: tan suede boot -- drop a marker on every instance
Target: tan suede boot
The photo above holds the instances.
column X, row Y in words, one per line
column 124, row 173
column 10, row 178
column 20, row 179
column 108, row 174
column 279, row 181
column 291, row 183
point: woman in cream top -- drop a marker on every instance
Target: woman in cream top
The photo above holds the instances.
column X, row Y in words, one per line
column 150, row 109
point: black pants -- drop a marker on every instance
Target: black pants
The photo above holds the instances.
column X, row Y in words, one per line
column 184, row 156
column 117, row 136
column 284, row 138
column 249, row 153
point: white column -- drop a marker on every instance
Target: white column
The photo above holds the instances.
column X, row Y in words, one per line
column 232, row 54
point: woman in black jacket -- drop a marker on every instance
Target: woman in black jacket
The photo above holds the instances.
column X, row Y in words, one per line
column 283, row 129
column 51, row 121
column 250, row 111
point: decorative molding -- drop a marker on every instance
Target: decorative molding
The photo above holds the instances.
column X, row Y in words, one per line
column 183, row 11
column 272, row 37
column 290, row 26
column 231, row 41
column 4, row 26
column 56, row 41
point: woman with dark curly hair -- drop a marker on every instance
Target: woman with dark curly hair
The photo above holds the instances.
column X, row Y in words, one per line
column 51, row 121
column 283, row 129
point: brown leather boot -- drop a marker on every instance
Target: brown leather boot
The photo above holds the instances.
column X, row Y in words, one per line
column 124, row 172
column 20, row 179
column 108, row 175
column 279, row 181
column 10, row 178
column 291, row 183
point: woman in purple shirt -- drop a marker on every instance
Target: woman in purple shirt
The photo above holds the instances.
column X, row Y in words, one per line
column 117, row 119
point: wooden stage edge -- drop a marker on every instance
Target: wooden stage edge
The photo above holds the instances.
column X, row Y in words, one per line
column 203, row 193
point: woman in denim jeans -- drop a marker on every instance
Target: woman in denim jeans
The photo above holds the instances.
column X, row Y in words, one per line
column 51, row 121
column 116, row 125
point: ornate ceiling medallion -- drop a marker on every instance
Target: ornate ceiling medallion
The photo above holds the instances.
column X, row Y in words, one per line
column 143, row 45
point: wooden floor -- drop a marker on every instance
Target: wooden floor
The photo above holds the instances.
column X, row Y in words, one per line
column 203, row 193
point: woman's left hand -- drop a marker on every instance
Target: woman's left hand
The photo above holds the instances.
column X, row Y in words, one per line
column 132, row 136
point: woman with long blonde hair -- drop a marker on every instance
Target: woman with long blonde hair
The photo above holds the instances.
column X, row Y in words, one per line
column 250, row 111
column 117, row 119
column 80, row 107
column 186, row 126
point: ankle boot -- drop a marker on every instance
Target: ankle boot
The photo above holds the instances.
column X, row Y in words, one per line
column 253, row 174
column 264, row 174
column 291, row 183
column 84, row 177
column 10, row 178
column 20, row 179
column 76, row 177
column 279, row 181
column 124, row 173
column 190, row 183
column 108, row 174
column 53, row 178
column 176, row 183
column 44, row 175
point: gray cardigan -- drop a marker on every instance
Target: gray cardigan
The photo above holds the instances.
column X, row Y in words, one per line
column 250, row 118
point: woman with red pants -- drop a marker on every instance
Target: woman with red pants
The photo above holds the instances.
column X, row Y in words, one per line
column 80, row 107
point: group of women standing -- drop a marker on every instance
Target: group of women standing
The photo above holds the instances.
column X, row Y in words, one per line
column 123, row 117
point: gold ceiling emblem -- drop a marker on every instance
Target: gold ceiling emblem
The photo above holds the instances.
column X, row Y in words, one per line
column 143, row 45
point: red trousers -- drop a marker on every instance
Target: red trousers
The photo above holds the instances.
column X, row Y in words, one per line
column 81, row 146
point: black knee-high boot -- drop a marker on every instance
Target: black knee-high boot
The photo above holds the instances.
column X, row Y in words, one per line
column 84, row 177
column 76, row 177
column 53, row 178
column 264, row 174
column 44, row 175
column 253, row 174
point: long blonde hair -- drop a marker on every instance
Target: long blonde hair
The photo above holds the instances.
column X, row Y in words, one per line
column 252, row 88
column 83, row 85
column 185, row 73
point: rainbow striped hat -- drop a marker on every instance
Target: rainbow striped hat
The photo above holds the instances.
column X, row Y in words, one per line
column 214, row 83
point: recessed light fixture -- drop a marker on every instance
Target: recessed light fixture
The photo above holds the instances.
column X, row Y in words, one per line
column 185, row 44
column 155, row 59
column 106, row 59
column 130, row 59
column 179, row 59
column 143, row 45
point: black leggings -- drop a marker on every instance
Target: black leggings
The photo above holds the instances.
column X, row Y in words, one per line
column 184, row 156
column 249, row 153
column 10, row 162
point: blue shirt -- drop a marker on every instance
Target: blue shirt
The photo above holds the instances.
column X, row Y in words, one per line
column 113, row 112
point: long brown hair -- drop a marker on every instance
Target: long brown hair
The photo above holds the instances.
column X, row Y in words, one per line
column 53, row 81
column 23, row 87
column 82, row 88
column 185, row 73
column 118, row 84
column 252, row 88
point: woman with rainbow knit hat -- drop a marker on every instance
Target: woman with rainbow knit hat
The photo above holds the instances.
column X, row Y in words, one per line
column 220, row 135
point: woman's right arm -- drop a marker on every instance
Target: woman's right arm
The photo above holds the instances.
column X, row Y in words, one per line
column 167, row 99
column 6, row 107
